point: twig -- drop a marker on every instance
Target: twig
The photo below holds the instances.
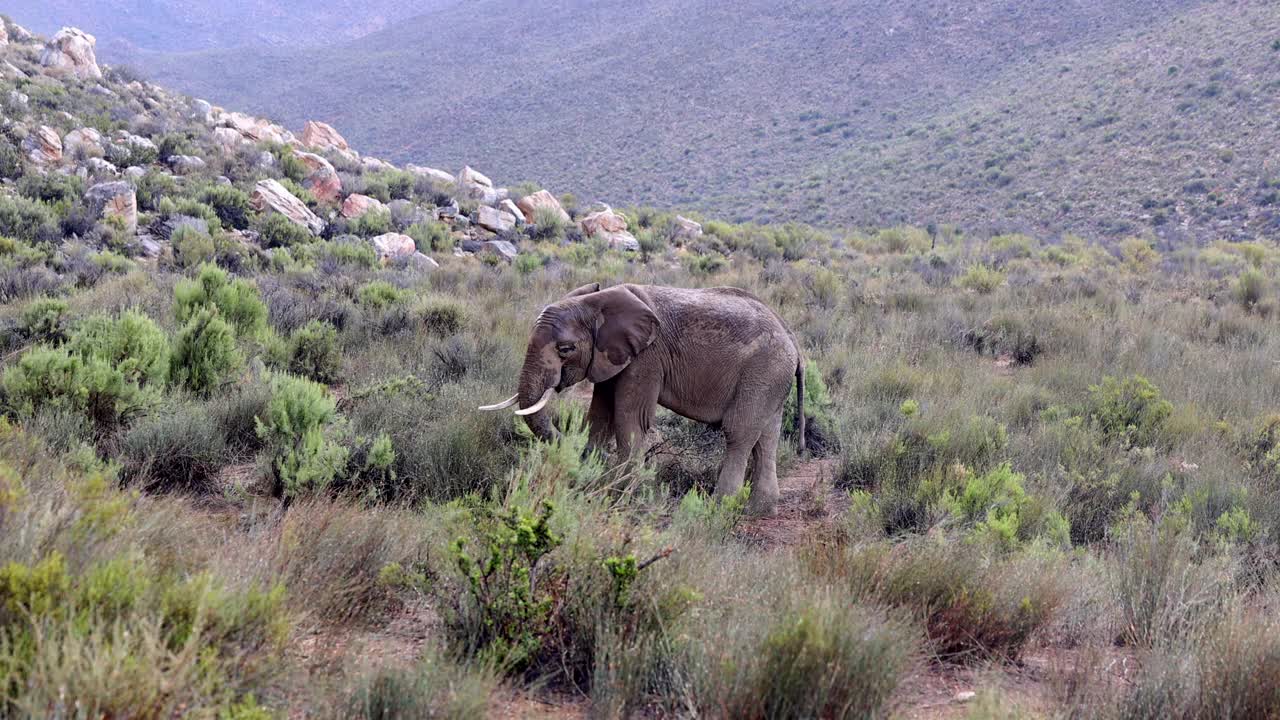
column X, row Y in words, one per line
column 664, row 553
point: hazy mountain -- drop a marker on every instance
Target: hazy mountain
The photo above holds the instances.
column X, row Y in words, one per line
column 1090, row 115
column 125, row 26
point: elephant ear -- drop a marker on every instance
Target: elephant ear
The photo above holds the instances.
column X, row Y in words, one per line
column 584, row 290
column 624, row 327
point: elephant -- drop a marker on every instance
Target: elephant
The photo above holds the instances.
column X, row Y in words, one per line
column 716, row 355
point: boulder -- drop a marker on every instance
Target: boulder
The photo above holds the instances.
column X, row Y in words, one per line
column 100, row 168
column 18, row 98
column 469, row 176
column 375, row 165
column 510, row 208
column 621, row 240
column 418, row 261
column 114, row 199
column 134, row 143
column 271, row 195
column 4, row 34
column 70, row 52
column 149, row 246
column 135, row 172
column 322, row 180
column 356, row 205
column 405, row 213
column 501, row 248
column 167, row 227
column 252, row 128
column 201, row 110
column 439, row 176
column 84, row 142
column 393, row 245
column 321, row 136
column 603, row 221
column 529, row 205
column 186, row 164
column 19, row 34
column 494, row 219
column 227, row 139
column 43, row 146
column 686, row 230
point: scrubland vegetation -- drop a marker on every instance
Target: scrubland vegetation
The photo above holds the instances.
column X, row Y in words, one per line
column 1041, row 448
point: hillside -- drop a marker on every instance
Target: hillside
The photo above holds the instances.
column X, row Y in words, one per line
column 125, row 27
column 252, row 467
column 842, row 114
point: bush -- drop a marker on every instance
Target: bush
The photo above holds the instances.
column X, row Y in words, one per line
column 436, row 688
column 235, row 300
column 370, row 224
column 230, row 203
column 152, row 188
column 27, row 220
column 1129, row 410
column 296, row 428
column 314, row 353
column 278, row 231
column 981, row 279
column 442, row 317
column 51, row 187
column 1250, row 288
column 430, row 236
column 204, row 353
column 53, row 379
column 192, row 247
column 179, row 450
column 380, row 295
column 133, row 344
column 44, row 321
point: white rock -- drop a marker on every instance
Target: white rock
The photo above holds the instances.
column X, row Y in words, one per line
column 271, row 195
column 70, row 52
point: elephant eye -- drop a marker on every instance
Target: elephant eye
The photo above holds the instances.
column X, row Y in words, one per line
column 565, row 348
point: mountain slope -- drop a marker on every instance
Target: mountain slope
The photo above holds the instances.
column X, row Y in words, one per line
column 768, row 110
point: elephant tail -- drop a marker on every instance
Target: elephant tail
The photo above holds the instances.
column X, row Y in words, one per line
column 800, row 418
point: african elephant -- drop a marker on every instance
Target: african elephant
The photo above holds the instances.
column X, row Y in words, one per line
column 716, row 355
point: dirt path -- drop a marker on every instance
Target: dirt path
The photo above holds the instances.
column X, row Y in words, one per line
column 808, row 504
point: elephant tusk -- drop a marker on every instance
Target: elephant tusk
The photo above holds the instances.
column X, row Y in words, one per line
column 502, row 405
column 538, row 405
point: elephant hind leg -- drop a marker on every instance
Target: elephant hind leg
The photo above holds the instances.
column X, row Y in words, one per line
column 764, row 486
column 733, row 470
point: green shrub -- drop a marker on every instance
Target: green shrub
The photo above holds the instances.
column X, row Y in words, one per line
column 1129, row 410
column 235, row 300
column 51, row 187
column 52, row 379
column 314, row 352
column 1250, row 288
column 27, row 220
column 430, row 236
column 548, row 224
column 152, row 188
column 296, row 429
column 511, row 611
column 204, row 352
column 370, row 224
column 380, row 294
column 230, row 203
column 817, row 411
column 44, row 320
column 278, row 231
column 192, row 247
column 981, row 279
column 133, row 344
column 442, row 316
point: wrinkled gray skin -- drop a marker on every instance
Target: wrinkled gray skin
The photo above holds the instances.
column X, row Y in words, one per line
column 715, row 355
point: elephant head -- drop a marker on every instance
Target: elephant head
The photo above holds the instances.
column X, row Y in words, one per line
column 589, row 334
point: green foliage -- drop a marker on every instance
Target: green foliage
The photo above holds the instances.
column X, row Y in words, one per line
column 1249, row 288
column 153, row 187
column 314, row 353
column 297, row 431
column 278, row 231
column 132, row 343
column 442, row 316
column 430, row 236
column 817, row 404
column 204, row 352
column 436, row 688
column 981, row 279
column 512, row 612
column 1129, row 410
column 235, row 300
column 27, row 220
column 44, row 320
column 380, row 294
column 370, row 224
column 230, row 203
column 51, row 187
column 992, row 503
column 717, row 517
column 178, row 449
column 192, row 247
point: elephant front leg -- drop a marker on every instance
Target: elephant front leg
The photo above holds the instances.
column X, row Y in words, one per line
column 600, row 417
column 635, row 403
column 734, row 468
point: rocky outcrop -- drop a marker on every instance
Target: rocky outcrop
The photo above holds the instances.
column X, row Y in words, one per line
column 252, row 128
column 321, row 136
column 529, row 205
column 82, row 143
column 612, row 226
column 98, row 168
column 186, row 164
column 371, row 164
column 686, row 230
column 70, row 52
column 356, row 205
column 43, row 146
column 227, row 139
column 478, row 186
column 510, row 208
column 494, row 219
column 4, row 35
column 500, row 248
column 114, row 199
column 393, row 245
column 439, row 176
column 322, row 180
column 270, row 195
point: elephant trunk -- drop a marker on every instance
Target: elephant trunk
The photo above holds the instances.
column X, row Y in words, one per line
column 533, row 386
